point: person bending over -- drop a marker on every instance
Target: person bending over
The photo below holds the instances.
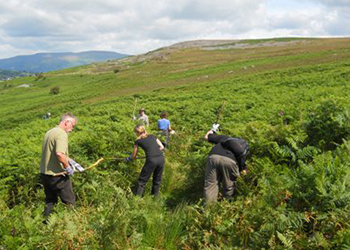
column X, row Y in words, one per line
column 225, row 162
column 154, row 160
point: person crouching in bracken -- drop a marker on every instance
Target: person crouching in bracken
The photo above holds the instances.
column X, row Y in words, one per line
column 225, row 163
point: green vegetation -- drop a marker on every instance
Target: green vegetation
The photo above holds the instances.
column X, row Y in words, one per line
column 6, row 74
column 55, row 90
column 291, row 103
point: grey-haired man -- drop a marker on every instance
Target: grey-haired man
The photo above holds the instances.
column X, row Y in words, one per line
column 54, row 162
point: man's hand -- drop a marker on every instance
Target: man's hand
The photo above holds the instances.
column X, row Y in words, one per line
column 75, row 165
column 69, row 170
column 215, row 127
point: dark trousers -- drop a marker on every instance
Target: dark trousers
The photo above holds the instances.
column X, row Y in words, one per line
column 54, row 187
column 165, row 133
column 153, row 165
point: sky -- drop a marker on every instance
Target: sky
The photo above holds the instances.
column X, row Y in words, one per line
column 138, row 26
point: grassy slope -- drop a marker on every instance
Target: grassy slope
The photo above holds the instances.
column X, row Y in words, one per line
column 257, row 83
column 190, row 83
column 92, row 84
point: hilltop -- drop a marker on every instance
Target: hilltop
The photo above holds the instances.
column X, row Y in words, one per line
column 44, row 62
column 289, row 98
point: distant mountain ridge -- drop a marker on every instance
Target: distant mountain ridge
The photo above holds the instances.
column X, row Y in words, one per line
column 44, row 62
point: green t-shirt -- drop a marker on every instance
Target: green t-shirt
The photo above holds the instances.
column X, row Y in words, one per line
column 55, row 140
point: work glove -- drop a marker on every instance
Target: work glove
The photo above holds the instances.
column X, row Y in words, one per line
column 215, row 127
column 69, row 170
column 128, row 159
column 75, row 165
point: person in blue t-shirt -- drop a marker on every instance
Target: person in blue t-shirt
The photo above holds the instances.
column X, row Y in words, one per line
column 164, row 127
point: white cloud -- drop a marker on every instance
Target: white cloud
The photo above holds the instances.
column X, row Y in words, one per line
column 135, row 26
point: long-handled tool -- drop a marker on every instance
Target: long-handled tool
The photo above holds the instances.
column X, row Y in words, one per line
column 98, row 162
column 122, row 158
column 220, row 112
column 95, row 164
column 133, row 112
column 88, row 168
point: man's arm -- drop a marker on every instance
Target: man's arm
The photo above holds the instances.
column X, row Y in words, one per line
column 169, row 127
column 61, row 146
column 134, row 152
column 160, row 144
column 206, row 137
column 62, row 158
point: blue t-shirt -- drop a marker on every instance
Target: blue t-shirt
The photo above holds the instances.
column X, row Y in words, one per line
column 163, row 124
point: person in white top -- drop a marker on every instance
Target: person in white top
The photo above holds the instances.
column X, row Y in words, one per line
column 143, row 117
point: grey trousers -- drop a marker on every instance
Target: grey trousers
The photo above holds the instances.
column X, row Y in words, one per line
column 219, row 169
column 167, row 137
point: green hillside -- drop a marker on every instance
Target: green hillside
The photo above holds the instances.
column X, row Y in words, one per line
column 8, row 74
column 289, row 98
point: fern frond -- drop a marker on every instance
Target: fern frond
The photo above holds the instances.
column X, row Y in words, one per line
column 288, row 243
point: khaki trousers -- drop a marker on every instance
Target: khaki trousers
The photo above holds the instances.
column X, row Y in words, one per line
column 219, row 169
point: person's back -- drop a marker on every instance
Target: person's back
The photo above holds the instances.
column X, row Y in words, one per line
column 219, row 149
column 240, row 148
column 154, row 164
column 150, row 146
column 165, row 128
column 237, row 145
column 163, row 124
column 55, row 140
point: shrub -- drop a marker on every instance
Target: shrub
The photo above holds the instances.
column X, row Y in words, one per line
column 55, row 90
column 39, row 76
column 328, row 124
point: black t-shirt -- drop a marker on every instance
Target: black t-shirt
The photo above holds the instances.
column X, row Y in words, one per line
column 150, row 146
column 218, row 149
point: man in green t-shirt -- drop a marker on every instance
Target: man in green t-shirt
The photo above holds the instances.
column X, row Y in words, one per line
column 54, row 162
